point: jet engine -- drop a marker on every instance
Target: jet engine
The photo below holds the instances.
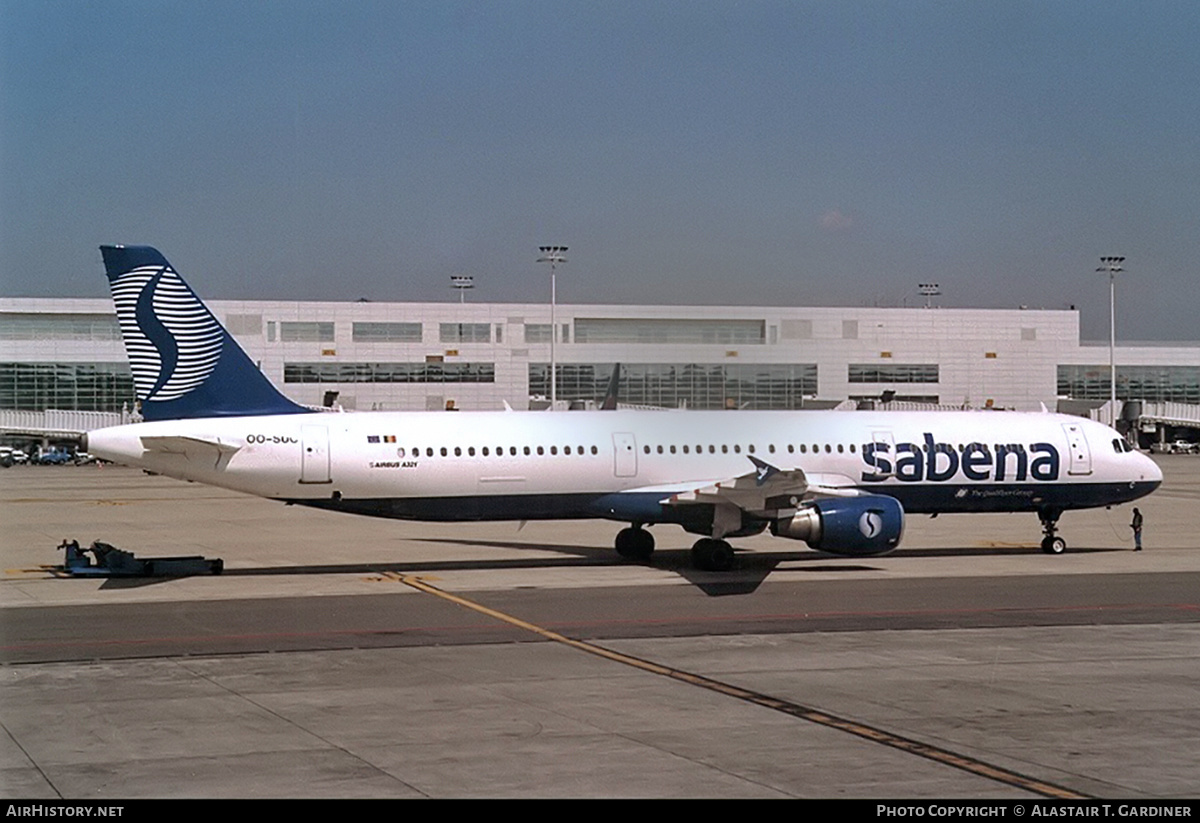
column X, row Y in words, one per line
column 856, row 526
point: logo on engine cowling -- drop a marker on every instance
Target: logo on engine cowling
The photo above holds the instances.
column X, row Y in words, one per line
column 870, row 524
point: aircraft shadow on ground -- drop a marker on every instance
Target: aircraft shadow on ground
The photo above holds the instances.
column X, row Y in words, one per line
column 751, row 569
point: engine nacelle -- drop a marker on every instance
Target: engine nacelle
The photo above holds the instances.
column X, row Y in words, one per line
column 857, row 526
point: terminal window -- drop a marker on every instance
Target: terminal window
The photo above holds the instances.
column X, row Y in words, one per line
column 79, row 386
column 1159, row 384
column 387, row 332
column 465, row 332
column 22, row 326
column 293, row 332
column 893, row 373
column 666, row 331
column 389, row 372
column 690, row 385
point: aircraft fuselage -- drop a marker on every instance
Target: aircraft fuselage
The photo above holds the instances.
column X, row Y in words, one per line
column 534, row 465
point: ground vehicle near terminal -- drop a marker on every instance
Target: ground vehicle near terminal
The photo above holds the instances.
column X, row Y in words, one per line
column 840, row 481
column 12, row 457
column 1175, row 447
column 53, row 457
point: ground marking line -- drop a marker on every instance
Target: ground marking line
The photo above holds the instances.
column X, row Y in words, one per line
column 886, row 738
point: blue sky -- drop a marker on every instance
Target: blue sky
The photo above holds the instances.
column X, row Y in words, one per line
column 800, row 153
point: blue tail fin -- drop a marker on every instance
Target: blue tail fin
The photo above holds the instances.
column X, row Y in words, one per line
column 184, row 362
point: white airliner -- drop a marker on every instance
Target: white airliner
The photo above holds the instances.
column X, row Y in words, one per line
column 841, row 481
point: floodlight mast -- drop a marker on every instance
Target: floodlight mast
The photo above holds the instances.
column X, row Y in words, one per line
column 1112, row 265
column 462, row 282
column 929, row 290
column 553, row 255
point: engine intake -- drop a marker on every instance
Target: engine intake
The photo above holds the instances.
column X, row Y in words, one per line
column 854, row 526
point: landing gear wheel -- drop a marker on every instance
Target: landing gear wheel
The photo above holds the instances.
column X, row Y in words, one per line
column 1051, row 542
column 712, row 555
column 1054, row 545
column 635, row 543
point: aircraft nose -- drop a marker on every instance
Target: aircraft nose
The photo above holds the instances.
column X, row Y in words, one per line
column 1151, row 472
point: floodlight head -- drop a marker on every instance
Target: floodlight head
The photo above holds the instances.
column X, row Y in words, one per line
column 552, row 254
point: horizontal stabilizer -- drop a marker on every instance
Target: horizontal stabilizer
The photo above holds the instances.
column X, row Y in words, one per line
column 194, row 449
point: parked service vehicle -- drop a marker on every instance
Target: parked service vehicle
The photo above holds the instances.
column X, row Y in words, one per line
column 53, row 457
column 1185, row 447
column 15, row 457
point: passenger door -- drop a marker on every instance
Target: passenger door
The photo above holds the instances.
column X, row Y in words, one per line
column 1077, row 444
column 624, row 454
column 314, row 454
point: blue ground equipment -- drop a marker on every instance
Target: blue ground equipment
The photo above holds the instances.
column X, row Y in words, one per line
column 113, row 562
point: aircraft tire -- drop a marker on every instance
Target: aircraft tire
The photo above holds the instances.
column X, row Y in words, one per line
column 712, row 555
column 635, row 543
column 1054, row 545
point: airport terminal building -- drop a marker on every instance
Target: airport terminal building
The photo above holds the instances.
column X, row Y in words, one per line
column 67, row 354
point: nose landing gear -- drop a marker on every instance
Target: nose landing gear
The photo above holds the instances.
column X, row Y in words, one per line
column 1051, row 542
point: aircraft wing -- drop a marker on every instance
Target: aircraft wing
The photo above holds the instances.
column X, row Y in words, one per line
column 194, row 449
column 766, row 491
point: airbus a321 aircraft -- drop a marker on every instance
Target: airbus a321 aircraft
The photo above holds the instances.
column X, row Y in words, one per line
column 841, row 481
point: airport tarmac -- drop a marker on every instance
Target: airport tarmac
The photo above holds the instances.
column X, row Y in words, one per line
column 351, row 657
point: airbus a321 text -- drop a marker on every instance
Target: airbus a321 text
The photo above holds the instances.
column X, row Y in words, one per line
column 841, row 481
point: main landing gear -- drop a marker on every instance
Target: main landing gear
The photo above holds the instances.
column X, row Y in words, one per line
column 712, row 555
column 635, row 543
column 1051, row 542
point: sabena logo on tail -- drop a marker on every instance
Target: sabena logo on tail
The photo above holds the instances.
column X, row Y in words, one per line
column 172, row 340
column 184, row 363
